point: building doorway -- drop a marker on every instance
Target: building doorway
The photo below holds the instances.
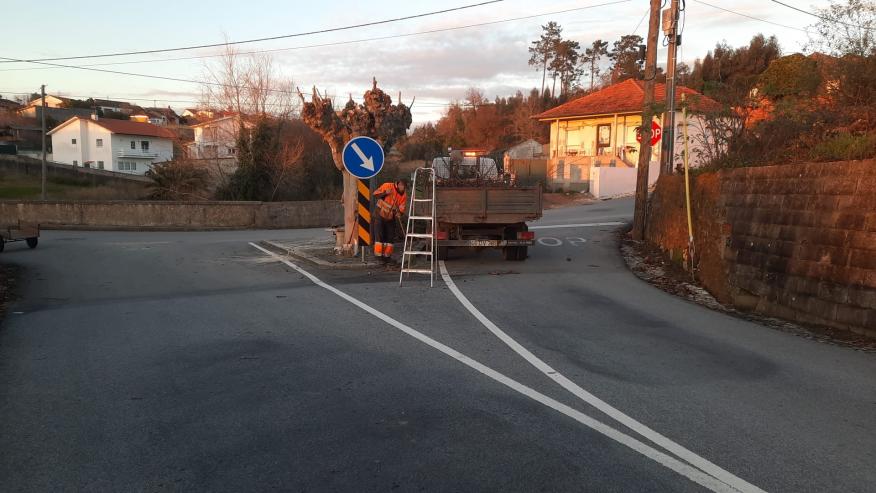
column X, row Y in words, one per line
column 603, row 139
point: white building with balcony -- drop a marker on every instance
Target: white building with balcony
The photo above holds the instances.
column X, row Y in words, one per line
column 217, row 139
column 114, row 145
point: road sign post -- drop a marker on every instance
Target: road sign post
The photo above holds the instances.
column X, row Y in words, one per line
column 363, row 158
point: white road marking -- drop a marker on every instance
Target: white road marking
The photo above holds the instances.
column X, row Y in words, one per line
column 576, row 241
column 582, row 225
column 554, row 242
column 666, row 460
column 643, row 430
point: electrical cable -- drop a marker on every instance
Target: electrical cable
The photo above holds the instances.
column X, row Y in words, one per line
column 822, row 17
column 271, row 38
column 752, row 17
column 334, row 43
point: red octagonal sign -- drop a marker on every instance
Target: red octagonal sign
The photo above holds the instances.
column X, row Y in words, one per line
column 656, row 133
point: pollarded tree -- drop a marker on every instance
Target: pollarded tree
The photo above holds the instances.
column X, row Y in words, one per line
column 376, row 117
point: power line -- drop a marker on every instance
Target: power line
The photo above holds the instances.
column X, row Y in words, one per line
column 218, row 84
column 131, row 98
column 641, row 20
column 334, row 43
column 822, row 17
column 752, row 17
column 272, row 38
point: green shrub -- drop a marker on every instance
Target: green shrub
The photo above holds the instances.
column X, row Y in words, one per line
column 845, row 147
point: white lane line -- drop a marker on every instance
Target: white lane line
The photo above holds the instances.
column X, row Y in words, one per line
column 664, row 459
column 582, row 225
column 681, row 452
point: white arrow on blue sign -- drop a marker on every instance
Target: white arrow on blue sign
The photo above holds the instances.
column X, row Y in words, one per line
column 363, row 157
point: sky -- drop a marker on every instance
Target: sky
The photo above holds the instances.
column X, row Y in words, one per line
column 436, row 68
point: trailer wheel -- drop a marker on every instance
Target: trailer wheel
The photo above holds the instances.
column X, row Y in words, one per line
column 32, row 242
column 510, row 253
column 1, row 244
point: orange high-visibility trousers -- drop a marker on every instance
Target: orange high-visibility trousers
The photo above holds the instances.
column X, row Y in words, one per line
column 384, row 234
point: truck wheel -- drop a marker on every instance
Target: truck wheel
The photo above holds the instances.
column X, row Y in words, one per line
column 522, row 253
column 1, row 244
column 32, row 242
column 509, row 253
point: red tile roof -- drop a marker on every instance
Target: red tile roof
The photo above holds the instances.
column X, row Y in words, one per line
column 128, row 127
column 624, row 97
column 124, row 127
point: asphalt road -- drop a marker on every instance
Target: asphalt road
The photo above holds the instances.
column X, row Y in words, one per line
column 196, row 362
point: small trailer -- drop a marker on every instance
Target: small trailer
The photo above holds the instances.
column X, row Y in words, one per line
column 20, row 231
column 490, row 216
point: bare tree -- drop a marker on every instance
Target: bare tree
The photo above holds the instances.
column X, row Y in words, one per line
column 247, row 84
column 247, row 87
column 846, row 28
column 376, row 117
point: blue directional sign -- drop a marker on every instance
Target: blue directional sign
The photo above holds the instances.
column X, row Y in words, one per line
column 363, row 157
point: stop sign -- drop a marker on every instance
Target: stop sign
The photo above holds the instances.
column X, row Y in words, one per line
column 656, row 133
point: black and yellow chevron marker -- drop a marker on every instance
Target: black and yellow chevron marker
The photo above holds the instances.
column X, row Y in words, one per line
column 364, row 212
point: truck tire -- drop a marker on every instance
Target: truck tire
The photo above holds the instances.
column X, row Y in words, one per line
column 522, row 253
column 511, row 253
column 1, row 244
column 32, row 242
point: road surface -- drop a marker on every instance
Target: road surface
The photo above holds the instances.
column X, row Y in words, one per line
column 198, row 362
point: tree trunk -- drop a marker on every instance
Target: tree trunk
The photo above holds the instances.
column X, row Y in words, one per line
column 350, row 200
column 543, row 74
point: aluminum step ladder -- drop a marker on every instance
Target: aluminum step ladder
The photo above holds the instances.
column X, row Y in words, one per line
column 420, row 212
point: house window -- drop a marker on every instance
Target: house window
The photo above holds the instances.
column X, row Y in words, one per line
column 133, row 144
column 73, row 141
column 99, row 142
column 127, row 166
column 144, row 144
column 100, row 165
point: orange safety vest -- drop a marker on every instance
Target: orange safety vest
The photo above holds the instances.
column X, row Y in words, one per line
column 391, row 203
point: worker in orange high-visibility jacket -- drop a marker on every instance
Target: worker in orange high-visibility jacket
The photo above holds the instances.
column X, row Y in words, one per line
column 391, row 203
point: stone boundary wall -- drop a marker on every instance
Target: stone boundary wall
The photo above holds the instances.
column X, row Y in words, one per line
column 793, row 241
column 166, row 215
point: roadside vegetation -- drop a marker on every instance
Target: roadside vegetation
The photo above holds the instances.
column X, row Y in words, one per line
column 794, row 108
column 20, row 186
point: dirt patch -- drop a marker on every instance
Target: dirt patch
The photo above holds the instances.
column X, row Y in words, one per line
column 9, row 275
column 653, row 266
column 558, row 200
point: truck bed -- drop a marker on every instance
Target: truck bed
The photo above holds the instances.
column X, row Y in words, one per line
column 488, row 205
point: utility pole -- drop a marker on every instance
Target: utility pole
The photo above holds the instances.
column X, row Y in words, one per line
column 647, row 117
column 670, row 29
column 43, row 118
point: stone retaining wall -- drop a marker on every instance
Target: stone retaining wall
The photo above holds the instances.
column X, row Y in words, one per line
column 166, row 215
column 793, row 241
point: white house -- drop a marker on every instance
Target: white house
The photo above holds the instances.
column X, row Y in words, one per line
column 215, row 139
column 599, row 130
column 115, row 145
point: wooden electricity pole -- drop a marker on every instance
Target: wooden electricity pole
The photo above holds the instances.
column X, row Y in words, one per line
column 43, row 118
column 670, row 29
column 647, row 117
